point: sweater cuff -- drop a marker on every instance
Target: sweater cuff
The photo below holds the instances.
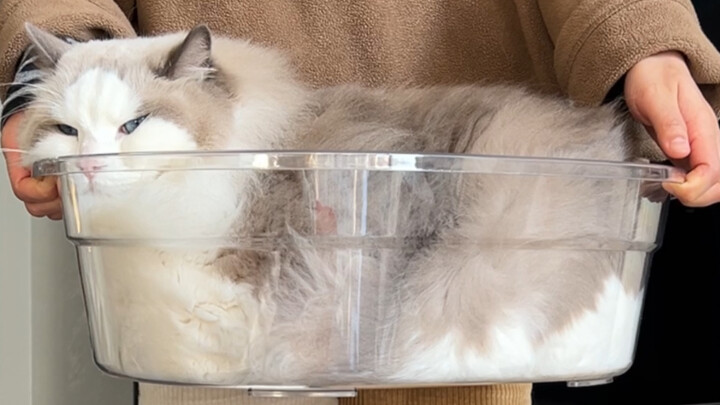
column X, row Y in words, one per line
column 82, row 20
column 591, row 59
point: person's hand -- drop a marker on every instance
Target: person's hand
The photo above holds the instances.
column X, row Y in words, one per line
column 661, row 93
column 40, row 196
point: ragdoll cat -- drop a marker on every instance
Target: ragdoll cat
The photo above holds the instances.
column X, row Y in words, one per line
column 469, row 293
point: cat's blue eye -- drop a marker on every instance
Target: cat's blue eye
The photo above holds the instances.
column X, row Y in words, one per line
column 67, row 129
column 130, row 126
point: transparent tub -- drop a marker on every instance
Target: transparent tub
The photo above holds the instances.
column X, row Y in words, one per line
column 285, row 270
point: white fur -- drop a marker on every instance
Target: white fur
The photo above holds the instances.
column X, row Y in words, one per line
column 165, row 311
column 158, row 312
column 598, row 343
column 52, row 145
column 97, row 104
column 172, row 317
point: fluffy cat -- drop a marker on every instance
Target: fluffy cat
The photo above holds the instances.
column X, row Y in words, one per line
column 469, row 292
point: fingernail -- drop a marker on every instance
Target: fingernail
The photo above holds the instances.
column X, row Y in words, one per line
column 680, row 145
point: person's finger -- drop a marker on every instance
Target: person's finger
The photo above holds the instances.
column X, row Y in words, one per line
column 8, row 142
column 31, row 190
column 696, row 187
column 702, row 125
column 47, row 208
column 658, row 108
column 711, row 196
column 25, row 187
column 704, row 136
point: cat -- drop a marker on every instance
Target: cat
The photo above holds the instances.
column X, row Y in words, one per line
column 458, row 288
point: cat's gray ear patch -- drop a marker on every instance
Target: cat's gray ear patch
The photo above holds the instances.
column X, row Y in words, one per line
column 49, row 48
column 192, row 57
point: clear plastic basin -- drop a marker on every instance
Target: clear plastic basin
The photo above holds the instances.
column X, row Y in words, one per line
column 294, row 269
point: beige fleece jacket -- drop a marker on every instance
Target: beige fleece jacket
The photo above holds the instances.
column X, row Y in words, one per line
column 575, row 47
column 579, row 48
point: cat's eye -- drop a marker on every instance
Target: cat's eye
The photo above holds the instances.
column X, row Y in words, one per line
column 130, row 126
column 67, row 129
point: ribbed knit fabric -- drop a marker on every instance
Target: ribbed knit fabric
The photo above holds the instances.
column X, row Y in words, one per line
column 508, row 394
column 516, row 394
column 151, row 394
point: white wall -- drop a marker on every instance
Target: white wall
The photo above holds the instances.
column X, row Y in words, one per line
column 15, row 347
column 45, row 355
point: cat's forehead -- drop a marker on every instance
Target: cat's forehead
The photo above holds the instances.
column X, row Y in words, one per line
column 126, row 48
column 122, row 56
column 97, row 82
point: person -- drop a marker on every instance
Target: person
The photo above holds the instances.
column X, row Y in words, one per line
column 651, row 53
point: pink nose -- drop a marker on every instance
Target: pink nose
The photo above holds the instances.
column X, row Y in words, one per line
column 90, row 166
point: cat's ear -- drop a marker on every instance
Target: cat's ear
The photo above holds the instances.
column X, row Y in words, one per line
column 49, row 48
column 192, row 57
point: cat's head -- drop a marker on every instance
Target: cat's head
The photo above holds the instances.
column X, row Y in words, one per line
column 124, row 95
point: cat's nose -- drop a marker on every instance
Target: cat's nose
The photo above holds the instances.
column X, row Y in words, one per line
column 90, row 166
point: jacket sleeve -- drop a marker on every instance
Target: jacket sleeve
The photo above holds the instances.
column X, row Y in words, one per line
column 597, row 41
column 80, row 19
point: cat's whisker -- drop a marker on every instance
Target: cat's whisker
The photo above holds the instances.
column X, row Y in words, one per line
column 38, row 90
column 13, row 160
column 14, row 150
column 29, row 85
column 9, row 84
column 32, row 85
